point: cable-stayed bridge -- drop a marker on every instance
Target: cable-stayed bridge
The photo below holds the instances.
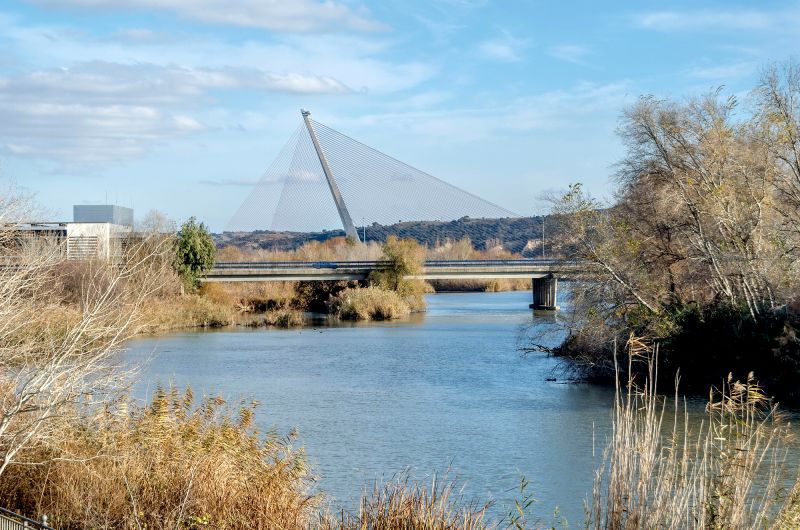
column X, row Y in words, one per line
column 323, row 179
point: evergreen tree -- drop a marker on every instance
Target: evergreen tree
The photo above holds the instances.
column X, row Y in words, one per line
column 194, row 251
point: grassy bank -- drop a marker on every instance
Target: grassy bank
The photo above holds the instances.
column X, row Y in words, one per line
column 183, row 463
column 385, row 295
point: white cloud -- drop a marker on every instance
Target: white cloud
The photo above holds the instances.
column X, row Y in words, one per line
column 350, row 60
column 100, row 111
column 120, row 94
column 505, row 48
column 546, row 111
column 83, row 133
column 142, row 35
column 724, row 72
column 276, row 15
column 745, row 19
column 571, row 53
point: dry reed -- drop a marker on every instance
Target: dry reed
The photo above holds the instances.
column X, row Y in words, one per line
column 726, row 474
column 172, row 464
column 404, row 505
column 369, row 303
column 190, row 310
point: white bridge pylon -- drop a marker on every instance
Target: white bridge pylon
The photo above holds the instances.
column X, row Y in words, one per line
column 323, row 179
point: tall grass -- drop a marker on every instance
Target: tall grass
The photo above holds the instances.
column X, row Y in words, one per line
column 251, row 296
column 190, row 310
column 180, row 464
column 369, row 303
column 660, row 473
column 403, row 505
column 463, row 249
column 283, row 318
column 172, row 464
column 487, row 286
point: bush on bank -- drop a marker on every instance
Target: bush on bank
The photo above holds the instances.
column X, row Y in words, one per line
column 369, row 303
column 704, row 344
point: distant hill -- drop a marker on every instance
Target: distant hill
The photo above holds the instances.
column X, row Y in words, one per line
column 520, row 234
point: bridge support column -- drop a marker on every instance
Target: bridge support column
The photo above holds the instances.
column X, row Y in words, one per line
column 545, row 293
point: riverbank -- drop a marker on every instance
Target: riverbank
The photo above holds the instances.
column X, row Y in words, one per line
column 283, row 304
column 445, row 391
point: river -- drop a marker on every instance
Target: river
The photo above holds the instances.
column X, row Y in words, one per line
column 444, row 390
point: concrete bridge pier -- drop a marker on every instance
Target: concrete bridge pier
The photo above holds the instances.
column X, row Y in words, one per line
column 545, row 293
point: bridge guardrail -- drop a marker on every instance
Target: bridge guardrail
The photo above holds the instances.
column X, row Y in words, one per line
column 378, row 264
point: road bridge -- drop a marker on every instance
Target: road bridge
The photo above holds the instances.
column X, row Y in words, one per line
column 543, row 273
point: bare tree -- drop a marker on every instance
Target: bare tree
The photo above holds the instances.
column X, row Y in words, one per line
column 57, row 359
column 778, row 97
column 705, row 218
column 156, row 222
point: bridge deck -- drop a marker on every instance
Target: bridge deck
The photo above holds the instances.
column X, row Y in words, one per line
column 360, row 270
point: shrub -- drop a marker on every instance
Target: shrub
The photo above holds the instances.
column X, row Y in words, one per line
column 194, row 252
column 315, row 296
column 403, row 257
column 284, row 318
column 190, row 310
column 251, row 296
column 369, row 303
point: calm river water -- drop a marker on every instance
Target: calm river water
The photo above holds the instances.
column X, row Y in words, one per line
column 447, row 389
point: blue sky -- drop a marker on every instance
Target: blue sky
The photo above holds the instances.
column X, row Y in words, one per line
column 181, row 105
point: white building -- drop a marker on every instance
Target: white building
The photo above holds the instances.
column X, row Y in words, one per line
column 96, row 231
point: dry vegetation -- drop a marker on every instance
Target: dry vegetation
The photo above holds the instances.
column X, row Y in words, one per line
column 180, row 464
column 463, row 249
column 60, row 328
column 488, row 286
column 661, row 471
column 75, row 447
column 172, row 464
column 369, row 303
column 709, row 214
column 334, row 249
column 404, row 505
column 283, row 302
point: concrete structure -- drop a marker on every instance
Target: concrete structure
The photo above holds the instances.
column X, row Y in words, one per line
column 95, row 240
column 545, row 293
column 344, row 214
column 543, row 273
